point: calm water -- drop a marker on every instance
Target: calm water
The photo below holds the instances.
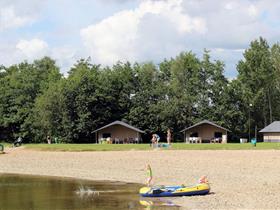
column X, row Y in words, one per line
column 19, row 192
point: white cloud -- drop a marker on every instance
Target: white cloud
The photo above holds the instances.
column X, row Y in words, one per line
column 8, row 54
column 65, row 56
column 9, row 18
column 108, row 39
column 161, row 29
column 253, row 11
column 33, row 49
column 134, row 30
column 137, row 34
column 230, row 5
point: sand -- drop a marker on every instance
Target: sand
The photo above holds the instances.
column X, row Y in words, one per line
column 239, row 179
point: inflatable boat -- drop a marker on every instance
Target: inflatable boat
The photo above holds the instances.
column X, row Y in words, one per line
column 169, row 191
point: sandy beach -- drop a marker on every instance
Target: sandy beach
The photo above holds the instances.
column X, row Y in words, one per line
column 239, row 179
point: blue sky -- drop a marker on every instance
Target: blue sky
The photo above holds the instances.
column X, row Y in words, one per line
column 133, row 30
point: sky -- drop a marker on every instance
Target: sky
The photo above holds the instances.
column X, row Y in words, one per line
column 133, row 30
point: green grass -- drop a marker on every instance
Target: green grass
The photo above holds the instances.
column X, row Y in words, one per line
column 87, row 147
column 128, row 147
column 230, row 146
column 5, row 146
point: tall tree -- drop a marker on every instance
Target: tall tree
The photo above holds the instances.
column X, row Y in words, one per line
column 20, row 86
column 256, row 74
column 183, row 96
column 49, row 116
column 146, row 108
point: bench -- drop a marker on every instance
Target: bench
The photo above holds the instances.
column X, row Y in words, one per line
column 216, row 140
column 195, row 140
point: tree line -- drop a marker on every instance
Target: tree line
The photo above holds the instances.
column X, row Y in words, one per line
column 36, row 100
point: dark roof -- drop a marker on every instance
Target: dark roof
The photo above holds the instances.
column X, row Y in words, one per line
column 120, row 123
column 271, row 128
column 204, row 122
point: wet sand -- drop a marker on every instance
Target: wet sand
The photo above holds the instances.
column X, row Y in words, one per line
column 239, row 179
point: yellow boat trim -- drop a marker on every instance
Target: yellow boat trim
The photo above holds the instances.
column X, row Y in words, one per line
column 199, row 187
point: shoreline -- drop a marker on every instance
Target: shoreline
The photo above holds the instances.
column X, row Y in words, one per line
column 238, row 179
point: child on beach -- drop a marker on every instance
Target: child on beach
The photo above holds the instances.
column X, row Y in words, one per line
column 149, row 174
column 203, row 180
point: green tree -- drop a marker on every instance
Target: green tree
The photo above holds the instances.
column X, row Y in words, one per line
column 49, row 113
column 256, row 76
column 20, row 86
column 145, row 109
column 183, row 95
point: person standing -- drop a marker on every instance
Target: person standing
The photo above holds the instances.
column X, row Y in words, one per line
column 157, row 138
column 153, row 141
column 169, row 136
column 149, row 174
column 18, row 142
column 49, row 139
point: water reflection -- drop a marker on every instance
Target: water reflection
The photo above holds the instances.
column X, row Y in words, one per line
column 153, row 202
column 33, row 193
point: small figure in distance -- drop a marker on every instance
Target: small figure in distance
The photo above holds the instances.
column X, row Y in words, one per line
column 49, row 139
column 203, row 180
column 149, row 174
column 18, row 142
column 169, row 136
column 153, row 140
column 157, row 138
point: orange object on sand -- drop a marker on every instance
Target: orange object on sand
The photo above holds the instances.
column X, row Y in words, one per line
column 203, row 179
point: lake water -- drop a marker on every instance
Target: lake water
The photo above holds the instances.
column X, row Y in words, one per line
column 18, row 192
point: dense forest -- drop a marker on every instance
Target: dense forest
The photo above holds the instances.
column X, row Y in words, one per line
column 36, row 100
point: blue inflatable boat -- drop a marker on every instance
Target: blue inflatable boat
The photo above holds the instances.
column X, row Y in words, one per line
column 168, row 191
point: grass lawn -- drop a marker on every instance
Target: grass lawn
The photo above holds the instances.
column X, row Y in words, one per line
column 87, row 147
column 5, row 146
column 127, row 147
column 230, row 146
